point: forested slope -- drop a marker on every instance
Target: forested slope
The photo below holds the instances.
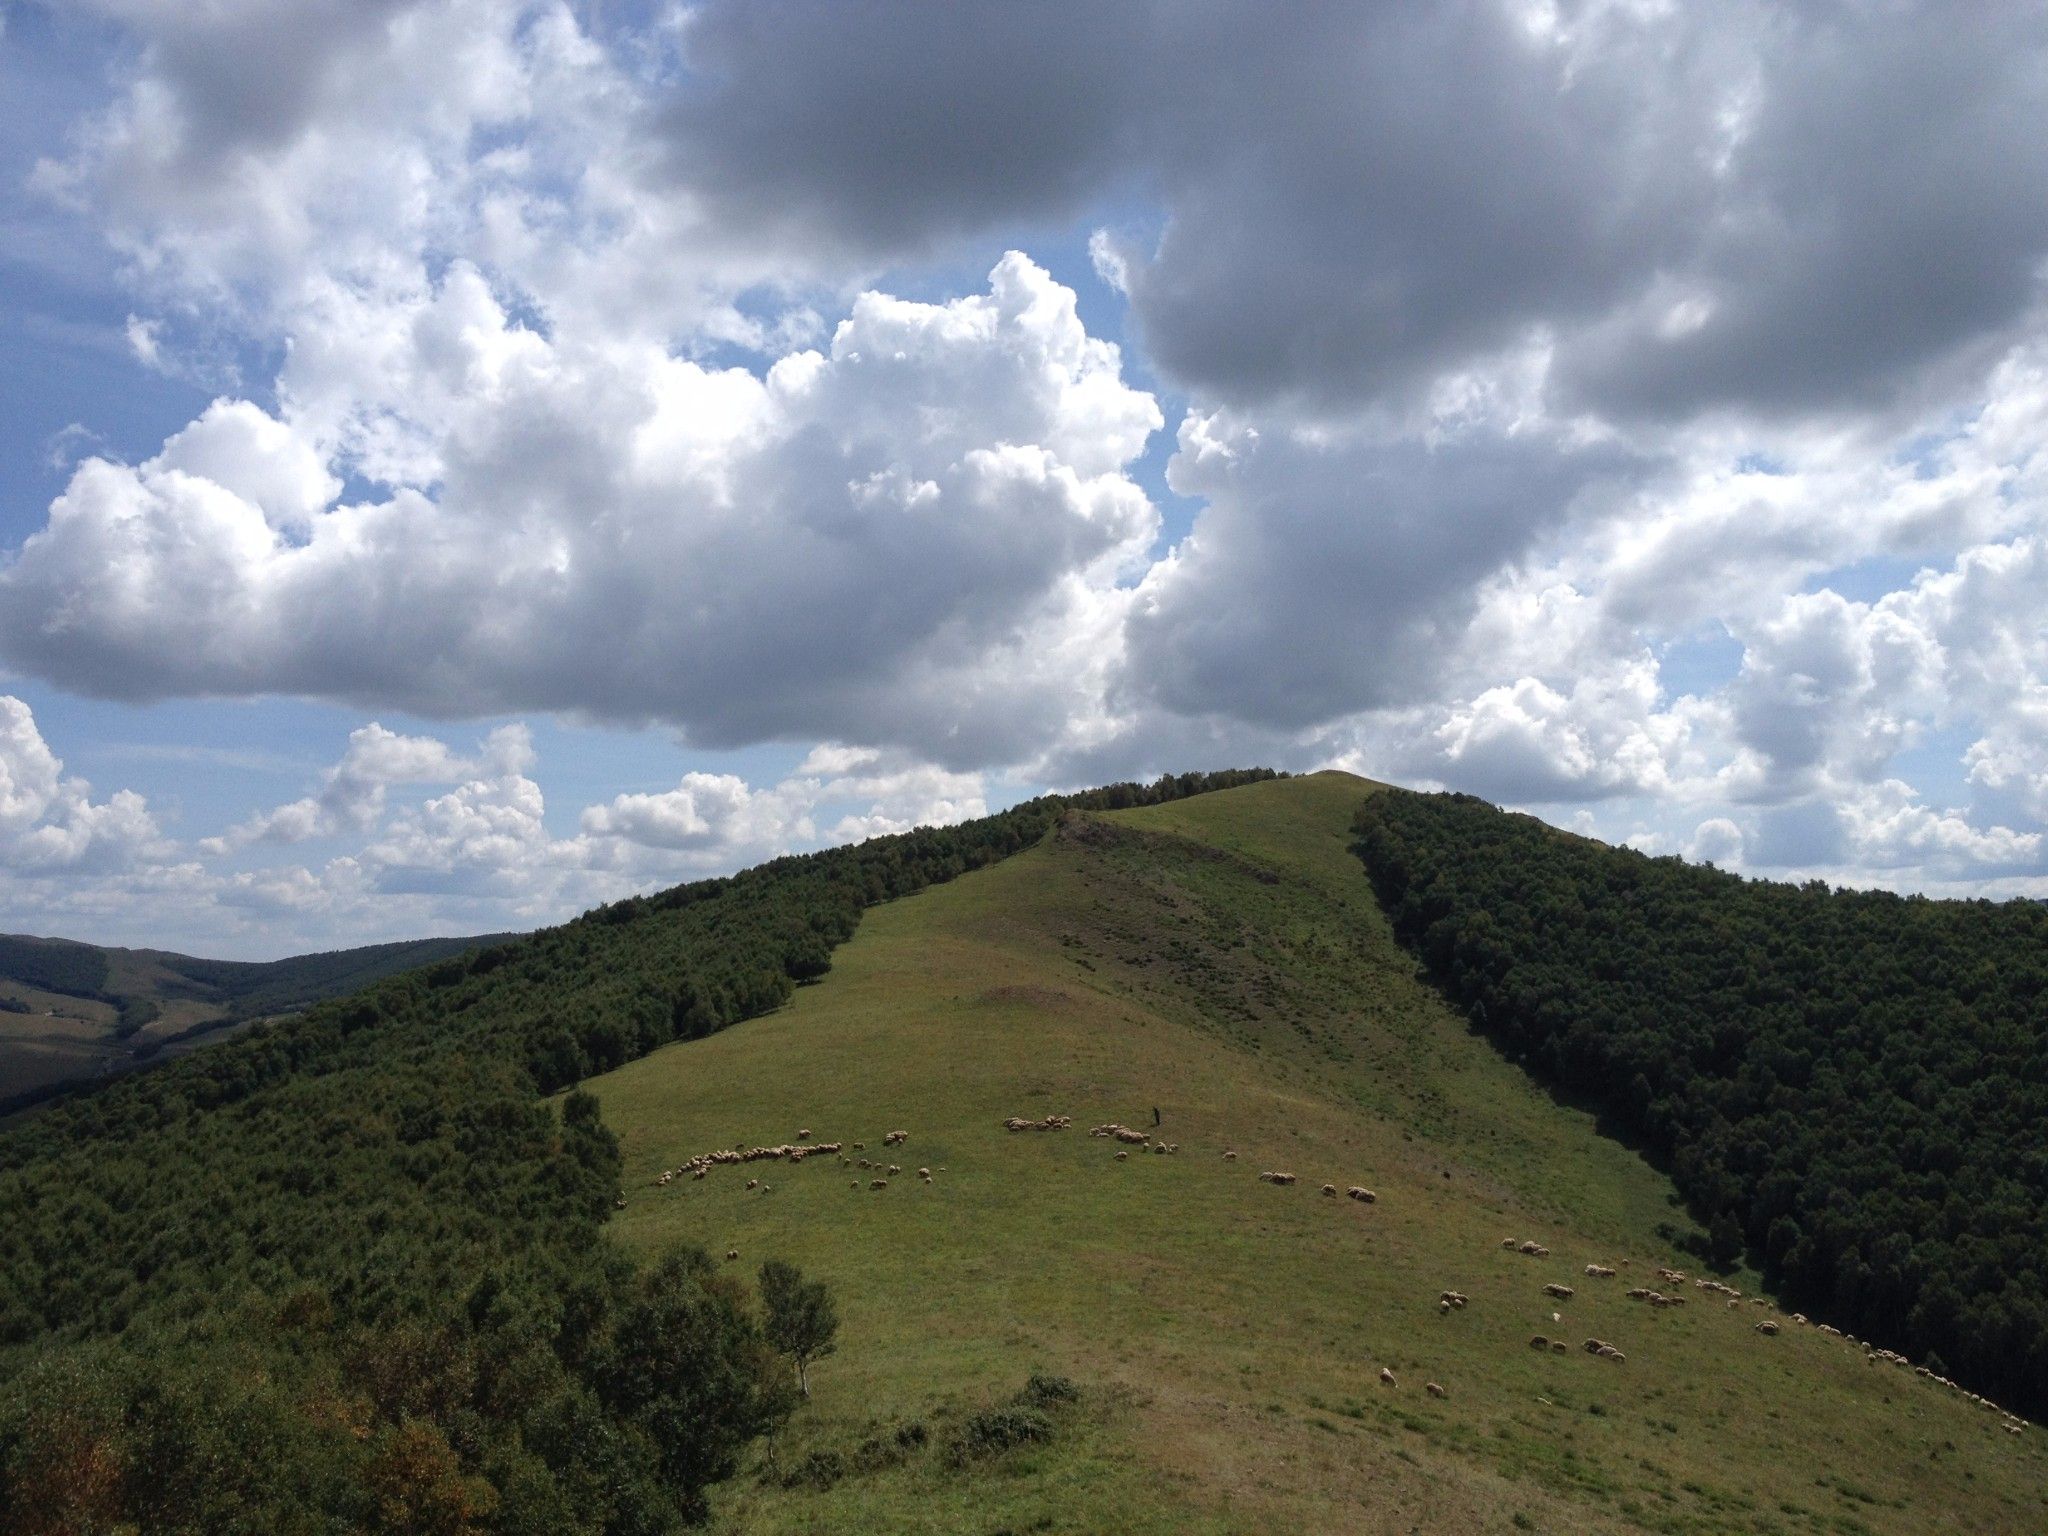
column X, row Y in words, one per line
column 1849, row 1085
column 348, row 1271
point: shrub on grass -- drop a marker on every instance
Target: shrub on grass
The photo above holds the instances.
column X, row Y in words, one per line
column 819, row 1470
column 993, row 1431
column 1047, row 1391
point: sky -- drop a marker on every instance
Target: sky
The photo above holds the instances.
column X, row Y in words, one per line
column 465, row 460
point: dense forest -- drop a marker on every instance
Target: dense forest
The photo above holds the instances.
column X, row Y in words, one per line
column 77, row 970
column 1849, row 1085
column 348, row 1272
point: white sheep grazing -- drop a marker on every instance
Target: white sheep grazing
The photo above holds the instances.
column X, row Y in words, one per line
column 1123, row 1157
column 878, row 1183
column 753, row 1183
column 1330, row 1189
column 731, row 1254
column 803, row 1135
column 1230, row 1157
column 1435, row 1389
column 1387, row 1377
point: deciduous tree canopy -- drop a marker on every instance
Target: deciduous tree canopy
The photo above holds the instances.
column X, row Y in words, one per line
column 1849, row 1084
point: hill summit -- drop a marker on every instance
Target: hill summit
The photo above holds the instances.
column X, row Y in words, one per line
column 1132, row 1162
column 1512, row 1330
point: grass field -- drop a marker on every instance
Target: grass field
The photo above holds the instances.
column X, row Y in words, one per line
column 1222, row 959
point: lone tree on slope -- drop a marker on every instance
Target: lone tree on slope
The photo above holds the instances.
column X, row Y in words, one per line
column 802, row 1322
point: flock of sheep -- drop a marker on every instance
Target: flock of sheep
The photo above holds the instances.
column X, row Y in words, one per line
column 790, row 1152
column 1142, row 1140
column 1448, row 1301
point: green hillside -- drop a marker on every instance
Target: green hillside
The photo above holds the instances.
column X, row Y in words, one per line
column 357, row 1270
column 1223, row 960
column 350, row 1272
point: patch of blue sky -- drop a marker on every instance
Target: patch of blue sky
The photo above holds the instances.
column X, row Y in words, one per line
column 255, row 755
column 1867, row 580
column 1933, row 765
column 1700, row 662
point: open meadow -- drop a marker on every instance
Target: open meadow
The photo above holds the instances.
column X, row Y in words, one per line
column 1223, row 961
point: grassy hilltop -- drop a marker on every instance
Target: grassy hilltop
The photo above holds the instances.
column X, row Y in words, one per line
column 1222, row 959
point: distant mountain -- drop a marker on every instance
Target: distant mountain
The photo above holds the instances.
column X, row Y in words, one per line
column 72, row 1012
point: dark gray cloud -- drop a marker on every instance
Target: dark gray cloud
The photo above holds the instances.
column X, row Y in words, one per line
column 1722, row 205
column 879, row 129
column 1886, row 204
column 1324, row 579
column 243, row 79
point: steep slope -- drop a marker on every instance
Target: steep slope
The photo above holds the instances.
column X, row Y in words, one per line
column 1848, row 1084
column 1223, row 960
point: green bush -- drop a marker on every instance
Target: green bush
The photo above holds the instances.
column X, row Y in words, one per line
column 992, row 1431
column 1048, row 1391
